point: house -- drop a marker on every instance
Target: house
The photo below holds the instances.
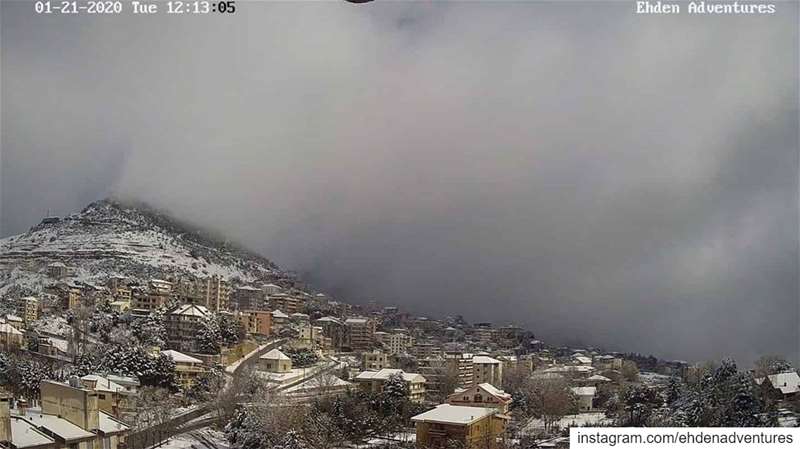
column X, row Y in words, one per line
column 585, row 397
column 481, row 395
column 467, row 427
column 486, row 369
column 183, row 325
column 187, row 368
column 373, row 382
column 275, row 361
column 10, row 337
column 279, row 320
column 781, row 385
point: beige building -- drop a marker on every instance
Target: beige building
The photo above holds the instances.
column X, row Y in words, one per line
column 359, row 334
column 399, row 342
column 486, row 369
column 462, row 364
column 187, row 368
column 468, row 427
column 256, row 322
column 275, row 361
column 157, row 295
column 374, row 381
column 10, row 337
column 375, row 360
column 112, row 397
column 28, row 309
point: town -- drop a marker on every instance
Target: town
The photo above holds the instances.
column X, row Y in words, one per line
column 185, row 360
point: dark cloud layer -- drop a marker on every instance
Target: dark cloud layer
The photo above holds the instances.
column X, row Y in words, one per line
column 602, row 177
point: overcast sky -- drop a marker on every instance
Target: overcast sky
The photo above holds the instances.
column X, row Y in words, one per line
column 599, row 176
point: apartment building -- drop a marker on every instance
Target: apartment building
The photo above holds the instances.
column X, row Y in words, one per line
column 212, row 292
column 486, row 369
column 10, row 337
column 183, row 325
column 359, row 334
column 248, row 298
column 333, row 329
column 399, row 342
column 462, row 364
column 28, row 309
column 375, row 360
column 157, row 295
column 256, row 322
column 468, row 427
column 286, row 303
column 112, row 398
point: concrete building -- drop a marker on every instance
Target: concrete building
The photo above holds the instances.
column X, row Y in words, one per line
column 112, row 397
column 28, row 309
column 187, row 368
column 481, row 395
column 10, row 337
column 585, row 397
column 183, row 325
column 375, row 360
column 334, row 329
column 486, row 369
column 275, row 361
column 469, row 427
column 57, row 270
column 157, row 294
column 256, row 322
column 461, row 363
column 399, row 342
column 286, row 303
column 359, row 334
column 374, row 381
column 248, row 298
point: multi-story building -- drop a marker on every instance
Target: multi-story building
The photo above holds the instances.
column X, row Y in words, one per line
column 484, row 333
column 112, row 397
column 486, row 369
column 468, row 427
column 399, row 342
column 374, row 381
column 10, row 337
column 375, row 360
column 460, row 363
column 211, row 292
column 157, row 295
column 359, row 334
column 57, row 270
column 183, row 325
column 256, row 322
column 425, row 350
column 333, row 329
column 28, row 309
column 187, row 368
column 248, row 298
column 286, row 303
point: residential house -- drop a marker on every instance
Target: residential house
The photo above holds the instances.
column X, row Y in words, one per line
column 275, row 361
column 585, row 397
column 187, row 368
column 781, row 385
column 481, row 395
column 375, row 360
column 468, row 427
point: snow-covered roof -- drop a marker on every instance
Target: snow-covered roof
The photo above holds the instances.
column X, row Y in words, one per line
column 299, row 315
column 454, row 414
column 59, row 426
column 24, row 434
column 788, row 383
column 279, row 314
column 583, row 359
column 249, row 288
column 103, row 383
column 386, row 373
column 484, row 360
column 179, row 357
column 494, row 391
column 14, row 318
column 275, row 355
column 6, row 328
column 355, row 321
column 110, row 425
column 598, row 378
column 329, row 319
column 584, row 391
column 191, row 310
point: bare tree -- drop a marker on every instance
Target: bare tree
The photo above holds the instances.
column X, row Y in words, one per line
column 547, row 399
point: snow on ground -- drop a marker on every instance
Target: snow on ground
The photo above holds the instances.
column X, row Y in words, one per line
column 649, row 378
column 536, row 426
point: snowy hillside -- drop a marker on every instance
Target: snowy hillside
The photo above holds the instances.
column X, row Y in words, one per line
column 109, row 238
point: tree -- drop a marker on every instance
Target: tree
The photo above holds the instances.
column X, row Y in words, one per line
column 548, row 399
column 630, row 371
column 771, row 364
column 209, row 336
column 639, row 402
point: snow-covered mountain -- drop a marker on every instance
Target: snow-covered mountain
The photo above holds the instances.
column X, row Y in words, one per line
column 113, row 238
